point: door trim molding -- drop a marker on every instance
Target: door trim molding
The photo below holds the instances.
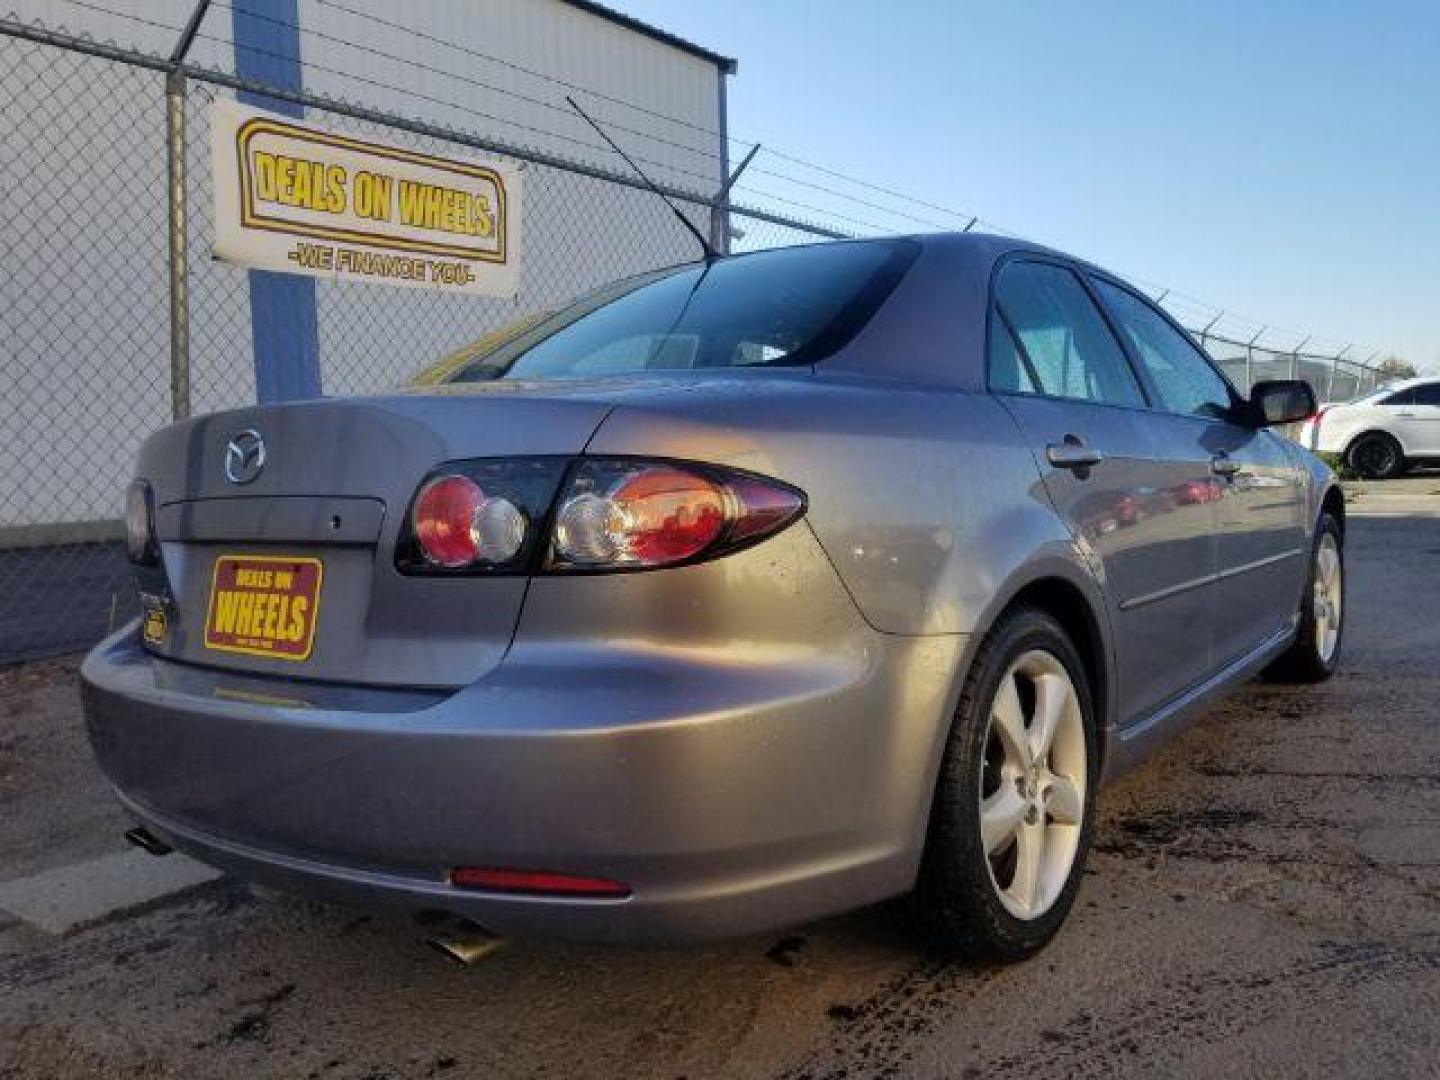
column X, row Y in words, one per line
column 1209, row 579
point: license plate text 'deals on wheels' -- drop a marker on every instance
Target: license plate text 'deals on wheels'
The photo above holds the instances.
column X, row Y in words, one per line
column 264, row 606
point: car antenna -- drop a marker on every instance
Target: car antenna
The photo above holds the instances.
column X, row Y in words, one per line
column 711, row 255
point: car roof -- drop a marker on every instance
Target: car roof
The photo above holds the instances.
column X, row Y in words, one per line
column 977, row 246
column 915, row 339
column 912, row 338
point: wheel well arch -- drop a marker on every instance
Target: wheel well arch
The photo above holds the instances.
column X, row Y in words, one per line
column 1068, row 605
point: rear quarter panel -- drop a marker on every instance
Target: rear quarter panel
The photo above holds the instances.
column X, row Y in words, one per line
column 926, row 500
column 1339, row 427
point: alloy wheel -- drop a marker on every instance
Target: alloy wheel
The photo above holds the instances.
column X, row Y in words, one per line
column 1375, row 457
column 1032, row 784
column 1327, row 597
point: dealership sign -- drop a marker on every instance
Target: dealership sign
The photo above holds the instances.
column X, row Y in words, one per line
column 297, row 198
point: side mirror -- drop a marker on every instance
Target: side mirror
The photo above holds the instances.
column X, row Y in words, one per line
column 1282, row 401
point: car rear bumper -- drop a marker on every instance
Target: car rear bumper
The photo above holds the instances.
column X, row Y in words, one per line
column 731, row 793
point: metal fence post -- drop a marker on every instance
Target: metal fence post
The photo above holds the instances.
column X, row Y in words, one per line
column 1334, row 370
column 1250, row 359
column 1208, row 326
column 179, row 233
column 1295, row 358
column 720, row 210
column 179, row 246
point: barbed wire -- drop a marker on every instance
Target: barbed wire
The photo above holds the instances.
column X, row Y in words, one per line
column 709, row 153
column 563, row 110
column 1219, row 317
column 704, row 129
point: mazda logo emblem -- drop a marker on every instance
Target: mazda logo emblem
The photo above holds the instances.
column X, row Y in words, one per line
column 244, row 457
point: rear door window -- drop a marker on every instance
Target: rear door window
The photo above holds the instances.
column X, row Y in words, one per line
column 1062, row 346
column 1183, row 380
column 1009, row 371
column 1429, row 394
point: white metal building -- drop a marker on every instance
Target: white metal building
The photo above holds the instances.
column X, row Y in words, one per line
column 88, row 387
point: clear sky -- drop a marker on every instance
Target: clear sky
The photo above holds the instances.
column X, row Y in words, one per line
column 1278, row 159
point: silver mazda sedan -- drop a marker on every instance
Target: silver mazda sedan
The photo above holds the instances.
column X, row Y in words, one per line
column 730, row 596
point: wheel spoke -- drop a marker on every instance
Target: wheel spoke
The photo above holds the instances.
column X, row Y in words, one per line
column 1052, row 698
column 1000, row 815
column 1064, row 802
column 1008, row 718
column 1029, row 857
column 1327, row 599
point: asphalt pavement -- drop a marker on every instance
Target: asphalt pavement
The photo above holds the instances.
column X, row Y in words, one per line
column 1263, row 900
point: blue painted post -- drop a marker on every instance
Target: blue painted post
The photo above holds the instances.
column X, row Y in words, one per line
column 284, row 327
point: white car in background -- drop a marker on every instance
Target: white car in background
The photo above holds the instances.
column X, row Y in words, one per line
column 1384, row 432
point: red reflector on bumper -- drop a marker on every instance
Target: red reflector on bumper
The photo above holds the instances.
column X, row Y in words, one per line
column 535, row 882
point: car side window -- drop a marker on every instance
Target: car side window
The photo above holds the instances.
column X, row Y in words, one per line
column 1184, row 380
column 1008, row 372
column 1429, row 394
column 1063, row 342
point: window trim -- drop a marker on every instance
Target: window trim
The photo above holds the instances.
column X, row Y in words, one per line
column 994, row 314
column 1020, row 352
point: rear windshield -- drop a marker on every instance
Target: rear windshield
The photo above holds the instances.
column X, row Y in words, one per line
column 783, row 307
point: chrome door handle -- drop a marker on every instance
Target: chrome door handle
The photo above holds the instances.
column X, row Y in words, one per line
column 1404, row 414
column 1072, row 454
column 1224, row 465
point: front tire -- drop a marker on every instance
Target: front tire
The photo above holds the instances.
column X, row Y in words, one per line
column 1012, row 818
column 1376, row 456
column 1315, row 653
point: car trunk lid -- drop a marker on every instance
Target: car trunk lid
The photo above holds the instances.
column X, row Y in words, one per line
column 288, row 568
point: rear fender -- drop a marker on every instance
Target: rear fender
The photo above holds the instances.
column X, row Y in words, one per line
column 923, row 500
column 1056, row 563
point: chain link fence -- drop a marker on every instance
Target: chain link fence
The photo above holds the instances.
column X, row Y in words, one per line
column 85, row 316
column 1334, row 378
column 74, row 310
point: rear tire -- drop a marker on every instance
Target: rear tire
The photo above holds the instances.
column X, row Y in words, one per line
column 1376, row 456
column 1014, row 803
column 1315, row 653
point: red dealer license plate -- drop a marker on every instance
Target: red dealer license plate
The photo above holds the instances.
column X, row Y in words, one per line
column 263, row 605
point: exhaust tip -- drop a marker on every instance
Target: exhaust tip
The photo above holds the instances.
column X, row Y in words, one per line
column 147, row 841
column 458, row 939
column 466, row 950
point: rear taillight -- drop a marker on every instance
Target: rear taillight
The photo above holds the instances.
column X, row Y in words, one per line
column 619, row 514
column 140, row 540
column 457, row 523
column 610, row 514
column 481, row 516
column 444, row 520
